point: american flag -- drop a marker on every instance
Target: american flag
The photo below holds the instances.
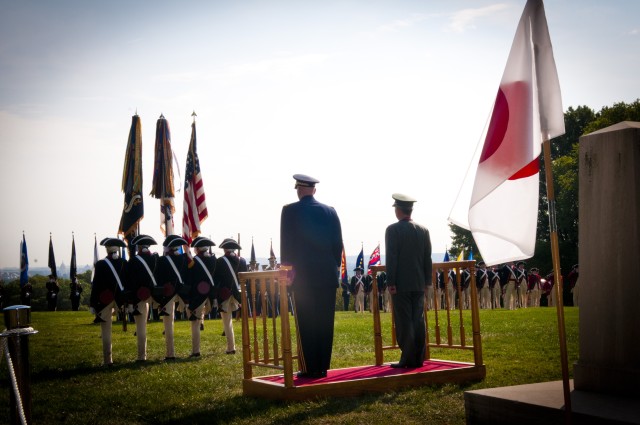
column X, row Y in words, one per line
column 195, row 206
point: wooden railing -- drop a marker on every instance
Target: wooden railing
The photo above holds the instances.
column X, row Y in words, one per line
column 264, row 342
column 448, row 311
column 266, row 338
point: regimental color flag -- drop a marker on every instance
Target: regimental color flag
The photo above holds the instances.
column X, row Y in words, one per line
column 24, row 262
column 95, row 255
column 360, row 259
column 374, row 259
column 272, row 255
column 446, row 257
column 52, row 260
column 253, row 254
column 470, row 257
column 527, row 111
column 461, row 255
column 73, row 268
column 162, row 185
column 344, row 278
column 133, row 209
column 195, row 207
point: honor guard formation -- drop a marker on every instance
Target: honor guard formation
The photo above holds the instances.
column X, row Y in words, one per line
column 176, row 283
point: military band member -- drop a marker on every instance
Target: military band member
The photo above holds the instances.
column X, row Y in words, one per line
column 358, row 282
column 170, row 276
column 75, row 292
column 521, row 284
column 495, row 287
column 534, row 286
column 52, row 293
column 107, row 291
column 228, row 288
column 482, row 283
column 510, row 287
column 141, row 283
column 200, row 287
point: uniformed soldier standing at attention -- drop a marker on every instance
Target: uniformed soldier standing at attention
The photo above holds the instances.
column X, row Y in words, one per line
column 52, row 293
column 521, row 284
column 107, row 291
column 358, row 283
column 535, row 283
column 200, row 286
column 409, row 267
column 141, row 282
column 170, row 277
column 482, row 283
column 26, row 291
column 75, row 290
column 311, row 242
column 227, row 287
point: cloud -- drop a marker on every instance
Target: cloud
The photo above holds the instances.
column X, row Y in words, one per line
column 465, row 18
column 399, row 24
column 634, row 31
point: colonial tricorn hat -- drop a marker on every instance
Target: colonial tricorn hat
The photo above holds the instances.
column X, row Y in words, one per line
column 173, row 241
column 481, row 263
column 534, row 269
column 144, row 240
column 201, row 242
column 402, row 200
column 520, row 263
column 113, row 242
column 304, row 180
column 358, row 268
column 230, row 243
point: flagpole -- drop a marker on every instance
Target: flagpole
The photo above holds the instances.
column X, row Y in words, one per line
column 555, row 255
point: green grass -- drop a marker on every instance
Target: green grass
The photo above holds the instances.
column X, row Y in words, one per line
column 70, row 386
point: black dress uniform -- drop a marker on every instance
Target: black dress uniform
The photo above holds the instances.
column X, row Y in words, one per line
column 26, row 291
column 107, row 291
column 75, row 292
column 52, row 294
column 311, row 242
column 227, row 287
column 200, row 282
column 409, row 267
column 170, row 276
column 140, row 284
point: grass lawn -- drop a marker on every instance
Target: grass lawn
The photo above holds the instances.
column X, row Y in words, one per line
column 70, row 386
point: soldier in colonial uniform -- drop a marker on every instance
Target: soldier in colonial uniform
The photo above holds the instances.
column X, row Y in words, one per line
column 346, row 294
column 521, row 284
column 534, row 287
column 358, row 283
column 228, row 288
column 495, row 287
column 75, row 291
column 466, row 290
column 141, row 282
column 483, row 285
column 200, row 287
column 52, row 293
column 509, row 290
column 170, row 276
column 451, row 287
column 107, row 291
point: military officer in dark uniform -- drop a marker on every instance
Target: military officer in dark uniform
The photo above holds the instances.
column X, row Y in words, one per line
column 200, row 281
column 311, row 242
column 26, row 291
column 107, row 291
column 52, row 293
column 140, row 283
column 227, row 287
column 75, row 292
column 170, row 276
column 409, row 268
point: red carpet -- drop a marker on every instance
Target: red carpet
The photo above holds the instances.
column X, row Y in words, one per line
column 364, row 372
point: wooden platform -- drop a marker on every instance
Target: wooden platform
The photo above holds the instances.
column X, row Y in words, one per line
column 361, row 380
column 267, row 342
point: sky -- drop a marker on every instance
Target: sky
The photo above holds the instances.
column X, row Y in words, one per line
column 369, row 97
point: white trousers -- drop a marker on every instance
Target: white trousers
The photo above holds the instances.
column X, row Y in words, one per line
column 105, row 328
column 141, row 328
column 199, row 312
column 227, row 325
column 360, row 302
column 522, row 294
column 510, row 296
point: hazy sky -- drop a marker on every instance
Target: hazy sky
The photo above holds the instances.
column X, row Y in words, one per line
column 370, row 97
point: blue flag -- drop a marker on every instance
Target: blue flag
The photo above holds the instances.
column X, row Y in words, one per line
column 470, row 254
column 24, row 262
column 446, row 257
column 360, row 260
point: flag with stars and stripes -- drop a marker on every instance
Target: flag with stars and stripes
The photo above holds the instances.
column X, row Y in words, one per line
column 195, row 206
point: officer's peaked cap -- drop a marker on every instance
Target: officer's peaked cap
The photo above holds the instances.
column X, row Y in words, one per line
column 144, row 240
column 304, row 180
column 230, row 243
column 402, row 200
column 201, row 242
column 112, row 242
column 174, row 240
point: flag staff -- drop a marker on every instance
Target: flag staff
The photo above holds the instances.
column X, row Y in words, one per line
column 555, row 256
